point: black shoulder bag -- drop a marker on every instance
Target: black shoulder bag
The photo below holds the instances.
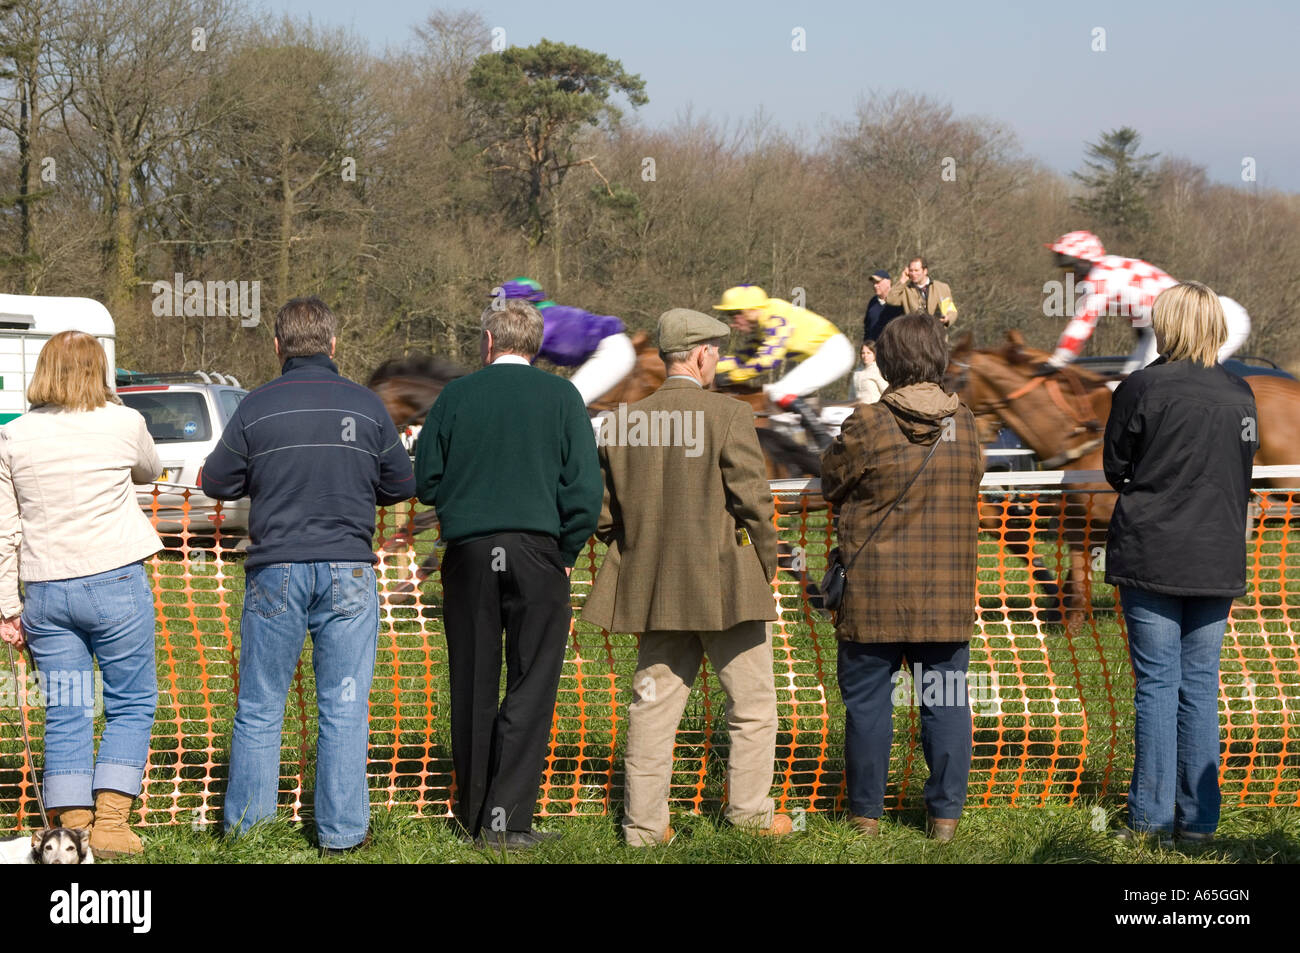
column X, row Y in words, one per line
column 832, row 585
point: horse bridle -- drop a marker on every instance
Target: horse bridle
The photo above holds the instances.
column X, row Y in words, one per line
column 1083, row 424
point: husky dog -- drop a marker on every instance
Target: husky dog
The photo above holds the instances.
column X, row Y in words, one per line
column 57, row 846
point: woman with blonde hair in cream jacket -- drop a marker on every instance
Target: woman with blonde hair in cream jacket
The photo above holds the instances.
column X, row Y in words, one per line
column 70, row 526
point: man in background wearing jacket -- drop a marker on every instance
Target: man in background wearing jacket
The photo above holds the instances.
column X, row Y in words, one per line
column 314, row 453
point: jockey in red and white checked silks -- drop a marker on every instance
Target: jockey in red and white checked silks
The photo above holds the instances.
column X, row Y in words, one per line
column 1125, row 287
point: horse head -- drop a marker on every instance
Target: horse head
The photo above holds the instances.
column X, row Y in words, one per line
column 409, row 385
column 1057, row 416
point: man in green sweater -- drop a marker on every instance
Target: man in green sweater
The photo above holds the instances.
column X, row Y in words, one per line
column 508, row 459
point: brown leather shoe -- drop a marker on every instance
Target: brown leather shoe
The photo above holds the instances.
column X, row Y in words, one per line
column 868, row 826
column 780, row 826
column 73, row 818
column 112, row 835
column 941, row 829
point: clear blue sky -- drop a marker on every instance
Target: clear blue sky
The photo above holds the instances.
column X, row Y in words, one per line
column 1212, row 82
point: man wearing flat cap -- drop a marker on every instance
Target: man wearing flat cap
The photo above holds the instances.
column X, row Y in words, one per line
column 687, row 516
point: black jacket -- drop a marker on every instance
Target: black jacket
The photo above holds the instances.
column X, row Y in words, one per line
column 313, row 452
column 1180, row 445
column 878, row 315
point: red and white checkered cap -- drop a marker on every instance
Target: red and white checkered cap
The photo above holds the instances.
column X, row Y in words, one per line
column 1083, row 245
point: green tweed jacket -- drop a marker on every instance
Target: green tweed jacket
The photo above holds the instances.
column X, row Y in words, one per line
column 671, row 516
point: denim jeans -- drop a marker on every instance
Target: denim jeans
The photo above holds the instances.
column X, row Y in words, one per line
column 339, row 604
column 867, row 676
column 1175, row 643
column 69, row 623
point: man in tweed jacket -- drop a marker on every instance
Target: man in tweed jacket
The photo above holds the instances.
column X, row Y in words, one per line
column 692, row 549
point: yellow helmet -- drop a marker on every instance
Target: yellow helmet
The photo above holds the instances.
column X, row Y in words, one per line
column 742, row 298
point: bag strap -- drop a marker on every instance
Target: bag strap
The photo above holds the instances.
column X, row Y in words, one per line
column 897, row 500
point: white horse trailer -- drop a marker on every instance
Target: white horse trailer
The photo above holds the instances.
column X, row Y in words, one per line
column 26, row 323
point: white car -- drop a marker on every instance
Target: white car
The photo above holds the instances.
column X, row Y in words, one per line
column 185, row 414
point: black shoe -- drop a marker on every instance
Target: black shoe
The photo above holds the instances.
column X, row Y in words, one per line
column 1194, row 838
column 513, row 840
column 342, row 851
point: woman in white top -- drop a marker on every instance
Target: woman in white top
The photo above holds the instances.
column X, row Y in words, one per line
column 70, row 526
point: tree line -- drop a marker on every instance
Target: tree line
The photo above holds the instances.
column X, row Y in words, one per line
column 145, row 139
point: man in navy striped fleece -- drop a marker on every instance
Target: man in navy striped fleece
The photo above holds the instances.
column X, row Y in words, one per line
column 314, row 452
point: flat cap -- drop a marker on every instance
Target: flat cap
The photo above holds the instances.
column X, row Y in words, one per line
column 681, row 329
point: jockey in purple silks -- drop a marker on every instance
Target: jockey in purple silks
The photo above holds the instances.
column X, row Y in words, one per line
column 596, row 344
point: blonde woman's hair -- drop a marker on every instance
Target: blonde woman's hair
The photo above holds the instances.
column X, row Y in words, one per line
column 71, row 373
column 1189, row 323
column 516, row 326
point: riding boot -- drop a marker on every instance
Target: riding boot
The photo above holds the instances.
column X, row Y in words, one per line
column 811, row 422
column 112, row 835
column 72, row 818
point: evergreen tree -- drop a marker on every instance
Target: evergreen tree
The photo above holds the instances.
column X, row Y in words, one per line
column 531, row 103
column 1119, row 181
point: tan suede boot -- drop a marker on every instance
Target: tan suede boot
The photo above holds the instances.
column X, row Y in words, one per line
column 112, row 835
column 73, row 818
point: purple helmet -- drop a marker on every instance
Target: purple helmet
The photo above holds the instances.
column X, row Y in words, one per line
column 524, row 288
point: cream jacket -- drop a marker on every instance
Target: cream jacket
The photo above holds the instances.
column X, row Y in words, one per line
column 67, row 506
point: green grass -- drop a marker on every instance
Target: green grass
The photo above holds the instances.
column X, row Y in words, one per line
column 1061, row 734
column 997, row 836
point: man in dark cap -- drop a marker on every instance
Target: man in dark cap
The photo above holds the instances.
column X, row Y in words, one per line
column 692, row 550
column 878, row 312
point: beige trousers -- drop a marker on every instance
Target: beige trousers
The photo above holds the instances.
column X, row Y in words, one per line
column 666, row 666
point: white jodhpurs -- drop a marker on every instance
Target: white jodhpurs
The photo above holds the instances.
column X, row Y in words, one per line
column 832, row 361
column 1238, row 327
column 612, row 361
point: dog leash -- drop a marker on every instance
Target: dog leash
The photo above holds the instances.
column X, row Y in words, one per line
column 27, row 737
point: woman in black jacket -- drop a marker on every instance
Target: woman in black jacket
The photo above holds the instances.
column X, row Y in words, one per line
column 1180, row 442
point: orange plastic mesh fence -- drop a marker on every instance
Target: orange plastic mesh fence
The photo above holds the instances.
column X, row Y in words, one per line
column 1051, row 686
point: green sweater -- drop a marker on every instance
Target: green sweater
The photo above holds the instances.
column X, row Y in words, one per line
column 510, row 448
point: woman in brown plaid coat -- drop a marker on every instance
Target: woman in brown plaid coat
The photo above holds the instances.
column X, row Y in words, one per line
column 910, row 596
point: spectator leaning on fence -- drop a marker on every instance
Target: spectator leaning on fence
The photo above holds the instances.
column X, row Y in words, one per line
column 692, row 550
column 910, row 595
column 507, row 458
column 314, row 453
column 66, row 472
column 1179, row 447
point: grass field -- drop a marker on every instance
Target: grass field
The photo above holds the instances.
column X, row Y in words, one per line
column 994, row 836
column 1052, row 745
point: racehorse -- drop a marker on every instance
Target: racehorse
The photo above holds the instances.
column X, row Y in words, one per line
column 408, row 387
column 1062, row 418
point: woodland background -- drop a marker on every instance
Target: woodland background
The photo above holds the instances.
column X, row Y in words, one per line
column 403, row 187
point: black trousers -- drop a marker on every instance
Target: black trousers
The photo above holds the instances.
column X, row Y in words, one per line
column 515, row 582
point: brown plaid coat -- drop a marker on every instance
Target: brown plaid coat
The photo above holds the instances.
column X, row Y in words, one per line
column 915, row 580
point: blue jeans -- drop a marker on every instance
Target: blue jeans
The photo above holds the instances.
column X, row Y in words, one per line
column 867, row 676
column 69, row 623
column 1175, row 643
column 339, row 604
